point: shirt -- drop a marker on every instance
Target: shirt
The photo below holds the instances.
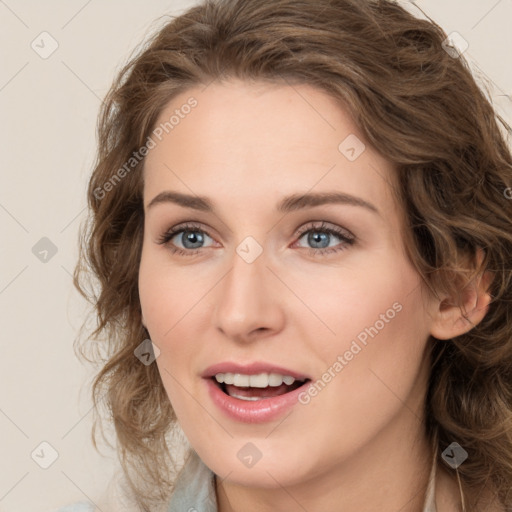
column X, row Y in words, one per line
column 195, row 491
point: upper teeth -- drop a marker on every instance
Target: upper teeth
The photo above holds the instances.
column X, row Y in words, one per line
column 262, row 380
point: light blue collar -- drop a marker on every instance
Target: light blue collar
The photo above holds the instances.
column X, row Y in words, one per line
column 195, row 488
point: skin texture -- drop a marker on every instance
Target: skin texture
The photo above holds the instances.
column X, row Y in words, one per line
column 360, row 443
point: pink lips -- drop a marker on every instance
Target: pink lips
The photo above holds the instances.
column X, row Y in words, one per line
column 260, row 411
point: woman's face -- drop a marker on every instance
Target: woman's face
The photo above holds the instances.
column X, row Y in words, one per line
column 269, row 281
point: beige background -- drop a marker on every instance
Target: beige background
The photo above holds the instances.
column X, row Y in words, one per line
column 48, row 110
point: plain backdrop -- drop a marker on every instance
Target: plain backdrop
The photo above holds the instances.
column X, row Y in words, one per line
column 48, row 106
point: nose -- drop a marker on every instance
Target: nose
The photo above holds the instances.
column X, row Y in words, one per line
column 249, row 301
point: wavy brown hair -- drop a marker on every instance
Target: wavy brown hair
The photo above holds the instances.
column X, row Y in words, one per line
column 419, row 106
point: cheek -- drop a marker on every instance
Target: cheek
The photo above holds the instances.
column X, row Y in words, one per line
column 165, row 307
column 165, row 294
column 172, row 302
column 374, row 362
column 376, row 304
column 379, row 348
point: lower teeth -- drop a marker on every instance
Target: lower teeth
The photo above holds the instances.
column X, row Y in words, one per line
column 267, row 393
column 250, row 398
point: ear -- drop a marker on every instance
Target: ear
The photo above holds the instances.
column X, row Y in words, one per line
column 451, row 320
column 143, row 321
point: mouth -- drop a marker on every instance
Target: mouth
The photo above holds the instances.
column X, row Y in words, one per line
column 257, row 392
column 256, row 387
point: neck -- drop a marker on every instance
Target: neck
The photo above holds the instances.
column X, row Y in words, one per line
column 389, row 474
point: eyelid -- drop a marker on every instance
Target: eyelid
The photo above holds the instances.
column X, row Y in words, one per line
column 312, row 224
column 180, row 227
column 346, row 236
column 324, row 225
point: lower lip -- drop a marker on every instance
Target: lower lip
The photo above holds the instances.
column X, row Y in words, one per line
column 257, row 411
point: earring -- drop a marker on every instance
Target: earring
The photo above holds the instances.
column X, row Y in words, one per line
column 460, row 490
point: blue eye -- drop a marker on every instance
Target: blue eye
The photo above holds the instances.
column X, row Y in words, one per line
column 192, row 237
column 317, row 236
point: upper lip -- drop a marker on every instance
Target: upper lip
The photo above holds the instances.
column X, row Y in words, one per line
column 253, row 368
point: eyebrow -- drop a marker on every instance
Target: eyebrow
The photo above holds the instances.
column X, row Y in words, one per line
column 288, row 204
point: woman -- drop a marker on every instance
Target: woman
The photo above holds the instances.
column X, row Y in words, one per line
column 301, row 232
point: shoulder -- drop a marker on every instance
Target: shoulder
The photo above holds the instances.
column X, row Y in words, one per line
column 82, row 506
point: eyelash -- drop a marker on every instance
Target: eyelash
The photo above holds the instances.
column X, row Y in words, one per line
column 322, row 228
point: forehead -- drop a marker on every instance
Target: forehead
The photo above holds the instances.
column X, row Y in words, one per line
column 262, row 140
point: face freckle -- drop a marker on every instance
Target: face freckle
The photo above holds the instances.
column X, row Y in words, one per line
column 352, row 322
